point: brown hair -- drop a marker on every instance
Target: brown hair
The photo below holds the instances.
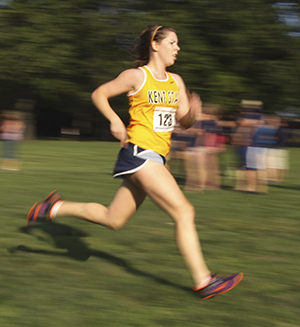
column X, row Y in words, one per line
column 151, row 33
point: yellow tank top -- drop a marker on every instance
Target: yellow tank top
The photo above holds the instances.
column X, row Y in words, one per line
column 152, row 113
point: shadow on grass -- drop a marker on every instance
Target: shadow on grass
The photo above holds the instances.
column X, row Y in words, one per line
column 70, row 238
column 285, row 186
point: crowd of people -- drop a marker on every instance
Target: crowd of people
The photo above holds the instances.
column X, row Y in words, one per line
column 258, row 143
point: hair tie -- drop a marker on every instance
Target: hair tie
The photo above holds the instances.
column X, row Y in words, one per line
column 154, row 33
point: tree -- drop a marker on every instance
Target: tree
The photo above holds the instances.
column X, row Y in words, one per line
column 57, row 52
column 54, row 49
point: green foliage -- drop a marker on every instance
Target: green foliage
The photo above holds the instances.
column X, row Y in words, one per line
column 55, row 48
column 59, row 51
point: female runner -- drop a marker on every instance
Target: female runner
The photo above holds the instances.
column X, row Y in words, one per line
column 157, row 99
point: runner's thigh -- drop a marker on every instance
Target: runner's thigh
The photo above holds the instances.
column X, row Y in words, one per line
column 155, row 179
column 125, row 203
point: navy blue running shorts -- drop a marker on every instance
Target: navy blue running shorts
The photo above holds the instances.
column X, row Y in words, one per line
column 132, row 158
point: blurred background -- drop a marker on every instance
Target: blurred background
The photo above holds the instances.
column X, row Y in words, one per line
column 53, row 54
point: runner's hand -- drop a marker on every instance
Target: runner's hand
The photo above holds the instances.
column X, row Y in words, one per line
column 119, row 131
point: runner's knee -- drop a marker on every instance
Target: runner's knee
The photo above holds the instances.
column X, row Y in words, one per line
column 186, row 214
column 115, row 225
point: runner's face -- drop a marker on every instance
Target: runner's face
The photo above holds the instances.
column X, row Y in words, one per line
column 168, row 49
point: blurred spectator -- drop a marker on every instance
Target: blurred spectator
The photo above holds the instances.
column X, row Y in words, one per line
column 241, row 139
column 277, row 156
column 199, row 147
column 12, row 131
column 256, row 157
column 214, row 144
column 183, row 149
column 193, row 157
column 266, row 157
column 250, row 159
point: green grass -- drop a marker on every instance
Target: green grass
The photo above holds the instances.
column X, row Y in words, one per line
column 68, row 272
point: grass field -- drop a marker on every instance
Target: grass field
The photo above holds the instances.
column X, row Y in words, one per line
column 68, row 272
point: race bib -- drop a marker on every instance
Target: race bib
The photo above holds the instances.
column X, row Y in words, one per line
column 164, row 119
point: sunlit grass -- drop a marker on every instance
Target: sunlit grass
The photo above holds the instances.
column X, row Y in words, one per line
column 71, row 273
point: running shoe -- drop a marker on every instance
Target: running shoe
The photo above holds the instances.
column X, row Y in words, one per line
column 40, row 209
column 219, row 285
